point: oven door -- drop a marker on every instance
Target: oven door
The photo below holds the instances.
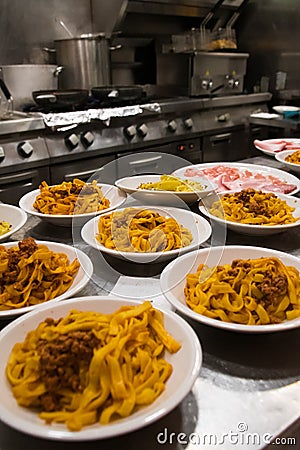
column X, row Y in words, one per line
column 225, row 146
column 14, row 185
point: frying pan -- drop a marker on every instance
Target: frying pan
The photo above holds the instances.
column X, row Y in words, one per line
column 61, row 98
column 115, row 94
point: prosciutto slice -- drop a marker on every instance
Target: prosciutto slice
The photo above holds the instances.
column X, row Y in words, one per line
column 233, row 179
column 277, row 146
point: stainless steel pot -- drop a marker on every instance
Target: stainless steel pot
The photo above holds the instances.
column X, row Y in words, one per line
column 86, row 61
column 23, row 79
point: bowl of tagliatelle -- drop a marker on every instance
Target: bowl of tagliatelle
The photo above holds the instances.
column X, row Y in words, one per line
column 120, row 365
column 290, row 158
column 146, row 234
column 165, row 189
column 12, row 220
column 253, row 212
column 33, row 273
column 71, row 202
column 238, row 288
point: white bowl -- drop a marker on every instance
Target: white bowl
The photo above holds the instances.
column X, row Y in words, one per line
column 173, row 280
column 114, row 195
column 281, row 158
column 199, row 227
column 189, row 358
column 82, row 277
column 281, row 109
column 15, row 216
column 130, row 186
column 248, row 229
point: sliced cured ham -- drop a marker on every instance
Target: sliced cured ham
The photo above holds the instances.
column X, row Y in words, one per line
column 277, row 145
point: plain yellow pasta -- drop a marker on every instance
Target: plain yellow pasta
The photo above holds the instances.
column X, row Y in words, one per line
column 172, row 183
column 5, row 227
column 254, row 208
column 70, row 197
column 136, row 230
column 293, row 157
column 31, row 274
column 89, row 367
column 249, row 292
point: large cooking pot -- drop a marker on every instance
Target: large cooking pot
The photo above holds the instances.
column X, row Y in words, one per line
column 23, row 79
column 86, row 61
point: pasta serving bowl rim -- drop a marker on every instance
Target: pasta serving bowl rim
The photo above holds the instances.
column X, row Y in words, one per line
column 250, row 229
column 26, row 203
column 173, row 291
column 81, row 279
column 19, row 220
column 289, row 165
column 177, row 387
column 203, row 227
column 130, row 186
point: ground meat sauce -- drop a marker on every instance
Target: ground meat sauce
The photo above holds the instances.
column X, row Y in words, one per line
column 60, row 362
column 25, row 249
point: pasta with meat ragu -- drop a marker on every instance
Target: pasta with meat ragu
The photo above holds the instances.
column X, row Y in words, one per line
column 293, row 157
column 141, row 230
column 31, row 274
column 89, row 367
column 253, row 208
column 70, row 197
column 250, row 292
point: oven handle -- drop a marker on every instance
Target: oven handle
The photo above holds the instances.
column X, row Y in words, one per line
column 71, row 176
column 16, row 178
column 218, row 138
column 145, row 161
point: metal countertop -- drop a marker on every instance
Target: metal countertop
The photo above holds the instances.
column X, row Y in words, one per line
column 247, row 391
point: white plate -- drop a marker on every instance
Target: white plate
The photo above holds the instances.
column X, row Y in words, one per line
column 114, row 195
column 274, row 141
column 189, row 358
column 173, row 280
column 15, row 216
column 242, row 167
column 281, row 109
column 281, row 158
column 81, row 279
column 199, row 227
column 130, row 186
column 252, row 230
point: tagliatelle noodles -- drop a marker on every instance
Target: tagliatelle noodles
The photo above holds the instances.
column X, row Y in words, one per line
column 253, row 208
column 249, row 292
column 70, row 197
column 294, row 157
column 126, row 370
column 138, row 230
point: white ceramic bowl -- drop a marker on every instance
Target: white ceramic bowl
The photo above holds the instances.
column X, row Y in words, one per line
column 178, row 385
column 82, row 277
column 199, row 227
column 281, row 158
column 130, row 186
column 13, row 215
column 114, row 195
column 248, row 229
column 173, row 280
column 281, row 109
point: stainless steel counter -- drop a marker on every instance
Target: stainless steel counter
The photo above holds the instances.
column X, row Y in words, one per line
column 248, row 390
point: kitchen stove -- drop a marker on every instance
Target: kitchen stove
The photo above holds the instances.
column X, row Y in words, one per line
column 196, row 129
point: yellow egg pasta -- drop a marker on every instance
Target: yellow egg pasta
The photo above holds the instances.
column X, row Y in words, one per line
column 89, row 367
column 253, row 208
column 293, row 157
column 5, row 227
column 250, row 292
column 174, row 184
column 70, row 197
column 141, row 230
column 31, row 274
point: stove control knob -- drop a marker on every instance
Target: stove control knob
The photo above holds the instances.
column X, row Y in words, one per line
column 142, row 130
column 25, row 149
column 87, row 139
column 130, row 132
column 188, row 123
column 2, row 153
column 172, row 126
column 207, row 84
column 72, row 141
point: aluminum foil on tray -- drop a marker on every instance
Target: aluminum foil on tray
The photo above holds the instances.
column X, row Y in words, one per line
column 64, row 120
